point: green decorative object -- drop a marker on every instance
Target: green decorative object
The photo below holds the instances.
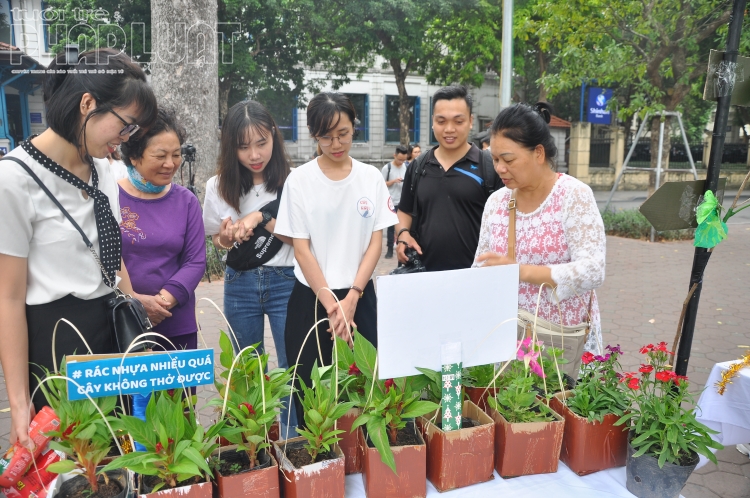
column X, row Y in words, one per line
column 451, row 396
column 711, row 229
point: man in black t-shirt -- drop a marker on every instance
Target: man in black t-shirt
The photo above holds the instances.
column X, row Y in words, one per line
column 451, row 193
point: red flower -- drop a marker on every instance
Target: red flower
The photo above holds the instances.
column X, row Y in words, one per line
column 587, row 358
column 634, row 384
column 159, row 447
column 353, row 370
column 646, row 369
column 67, row 432
column 647, row 348
column 170, row 441
column 681, row 379
column 662, row 346
column 389, row 384
column 249, row 407
column 627, row 376
column 170, row 392
column 666, row 375
column 267, row 378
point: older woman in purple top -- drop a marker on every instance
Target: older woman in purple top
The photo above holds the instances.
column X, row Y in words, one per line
column 163, row 244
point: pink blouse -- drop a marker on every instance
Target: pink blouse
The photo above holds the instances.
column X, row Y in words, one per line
column 566, row 234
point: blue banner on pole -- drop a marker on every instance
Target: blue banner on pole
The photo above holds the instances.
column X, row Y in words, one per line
column 597, row 109
column 142, row 373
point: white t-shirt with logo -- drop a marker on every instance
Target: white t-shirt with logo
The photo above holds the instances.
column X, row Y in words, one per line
column 338, row 217
column 395, row 189
column 33, row 227
column 215, row 209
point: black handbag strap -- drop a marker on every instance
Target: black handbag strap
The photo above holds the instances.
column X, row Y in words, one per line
column 86, row 240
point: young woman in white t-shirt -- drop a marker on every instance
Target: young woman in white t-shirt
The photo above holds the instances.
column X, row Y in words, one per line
column 334, row 208
column 253, row 166
column 46, row 270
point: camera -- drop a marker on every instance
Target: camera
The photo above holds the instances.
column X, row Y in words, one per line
column 413, row 263
column 188, row 151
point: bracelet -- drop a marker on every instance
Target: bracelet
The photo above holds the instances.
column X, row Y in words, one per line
column 401, row 231
column 218, row 241
column 361, row 292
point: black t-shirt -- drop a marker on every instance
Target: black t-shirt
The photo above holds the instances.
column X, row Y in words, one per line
column 450, row 210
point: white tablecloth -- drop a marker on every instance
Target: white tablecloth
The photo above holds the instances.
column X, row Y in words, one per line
column 562, row 484
column 729, row 414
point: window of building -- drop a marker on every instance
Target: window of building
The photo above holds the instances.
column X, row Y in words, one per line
column 283, row 108
column 6, row 23
column 433, row 140
column 392, row 124
column 361, row 102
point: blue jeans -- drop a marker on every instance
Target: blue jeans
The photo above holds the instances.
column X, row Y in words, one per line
column 250, row 294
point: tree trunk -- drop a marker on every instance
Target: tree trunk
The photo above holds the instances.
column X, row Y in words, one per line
column 184, row 75
column 405, row 117
column 666, row 146
column 225, row 87
column 542, row 71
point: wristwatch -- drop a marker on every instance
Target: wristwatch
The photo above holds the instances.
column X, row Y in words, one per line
column 266, row 218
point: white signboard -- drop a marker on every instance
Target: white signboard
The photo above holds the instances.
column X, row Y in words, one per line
column 419, row 312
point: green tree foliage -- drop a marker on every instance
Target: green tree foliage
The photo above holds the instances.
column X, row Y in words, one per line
column 345, row 36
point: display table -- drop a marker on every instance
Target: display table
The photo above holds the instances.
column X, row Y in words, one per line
column 729, row 414
column 562, row 484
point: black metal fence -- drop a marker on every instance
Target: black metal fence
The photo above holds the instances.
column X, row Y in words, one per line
column 734, row 157
column 599, row 155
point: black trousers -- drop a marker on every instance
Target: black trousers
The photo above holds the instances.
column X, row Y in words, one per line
column 390, row 235
column 89, row 316
column 300, row 317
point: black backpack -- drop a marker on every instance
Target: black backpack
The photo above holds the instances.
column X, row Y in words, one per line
column 490, row 181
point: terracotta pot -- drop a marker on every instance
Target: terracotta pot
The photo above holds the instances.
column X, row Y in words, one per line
column 200, row 490
column 411, row 465
column 527, row 448
column 260, row 483
column 479, row 395
column 349, row 443
column 589, row 447
column 324, row 479
column 456, row 459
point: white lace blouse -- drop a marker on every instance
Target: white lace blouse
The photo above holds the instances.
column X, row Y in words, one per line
column 566, row 234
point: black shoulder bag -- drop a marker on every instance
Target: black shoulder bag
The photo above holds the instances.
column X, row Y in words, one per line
column 261, row 247
column 127, row 317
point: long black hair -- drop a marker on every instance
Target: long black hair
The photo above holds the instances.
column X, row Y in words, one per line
column 110, row 77
column 235, row 180
column 528, row 126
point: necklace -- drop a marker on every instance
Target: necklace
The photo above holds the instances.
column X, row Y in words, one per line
column 257, row 192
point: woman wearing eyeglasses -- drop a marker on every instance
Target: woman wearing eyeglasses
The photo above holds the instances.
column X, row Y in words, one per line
column 46, row 270
column 334, row 208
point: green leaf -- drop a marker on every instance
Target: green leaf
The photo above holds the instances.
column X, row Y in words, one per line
column 377, row 434
column 62, row 467
column 419, row 408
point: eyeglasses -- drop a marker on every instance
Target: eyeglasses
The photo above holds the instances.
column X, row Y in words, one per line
column 344, row 138
column 129, row 129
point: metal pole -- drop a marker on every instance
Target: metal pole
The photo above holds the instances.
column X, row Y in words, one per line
column 583, row 94
column 506, row 63
column 658, row 164
column 627, row 160
column 687, row 145
column 700, row 258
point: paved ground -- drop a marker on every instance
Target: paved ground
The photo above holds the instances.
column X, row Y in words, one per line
column 641, row 300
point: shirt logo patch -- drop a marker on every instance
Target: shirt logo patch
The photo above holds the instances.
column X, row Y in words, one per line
column 474, row 166
column 391, row 206
column 365, row 207
column 260, row 241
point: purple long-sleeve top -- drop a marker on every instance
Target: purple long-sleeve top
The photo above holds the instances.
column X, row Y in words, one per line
column 163, row 246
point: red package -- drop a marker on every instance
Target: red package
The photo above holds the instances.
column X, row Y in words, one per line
column 17, row 459
column 33, row 484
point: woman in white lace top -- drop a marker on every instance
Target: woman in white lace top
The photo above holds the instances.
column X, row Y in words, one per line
column 560, row 237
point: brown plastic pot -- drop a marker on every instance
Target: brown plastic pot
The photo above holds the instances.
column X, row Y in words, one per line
column 456, row 459
column 527, row 448
column 411, row 465
column 324, row 478
column 260, row 483
column 479, row 395
column 589, row 447
column 200, row 490
column 349, row 443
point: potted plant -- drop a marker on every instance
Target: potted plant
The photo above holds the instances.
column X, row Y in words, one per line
column 313, row 464
column 665, row 438
column 394, row 454
column 177, row 447
column 249, row 399
column 591, row 441
column 480, row 382
column 85, row 438
column 528, row 434
column 457, row 458
column 352, row 388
